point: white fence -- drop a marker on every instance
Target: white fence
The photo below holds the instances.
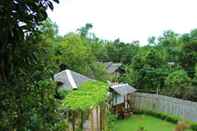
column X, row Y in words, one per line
column 159, row 103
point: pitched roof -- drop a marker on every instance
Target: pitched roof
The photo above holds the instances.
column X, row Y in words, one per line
column 70, row 79
column 123, row 89
column 112, row 67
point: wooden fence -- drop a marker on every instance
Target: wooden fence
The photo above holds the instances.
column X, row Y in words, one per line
column 159, row 103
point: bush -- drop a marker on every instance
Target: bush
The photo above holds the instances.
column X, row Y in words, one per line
column 193, row 126
column 111, row 118
column 177, row 83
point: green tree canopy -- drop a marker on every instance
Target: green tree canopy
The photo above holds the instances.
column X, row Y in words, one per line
column 89, row 95
column 178, row 82
column 17, row 21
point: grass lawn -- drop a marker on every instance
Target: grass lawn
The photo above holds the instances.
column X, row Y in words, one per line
column 148, row 122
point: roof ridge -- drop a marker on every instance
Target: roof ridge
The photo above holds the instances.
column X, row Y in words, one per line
column 70, row 79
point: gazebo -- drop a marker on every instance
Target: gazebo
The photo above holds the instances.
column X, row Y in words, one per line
column 120, row 101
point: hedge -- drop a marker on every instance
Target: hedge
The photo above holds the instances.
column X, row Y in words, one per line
column 167, row 117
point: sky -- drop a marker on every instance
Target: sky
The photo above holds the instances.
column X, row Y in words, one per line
column 127, row 20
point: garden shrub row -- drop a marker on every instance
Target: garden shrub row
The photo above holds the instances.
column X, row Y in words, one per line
column 167, row 117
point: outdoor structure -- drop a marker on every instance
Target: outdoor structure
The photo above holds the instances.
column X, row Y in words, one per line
column 120, row 102
column 82, row 110
column 70, row 80
column 113, row 68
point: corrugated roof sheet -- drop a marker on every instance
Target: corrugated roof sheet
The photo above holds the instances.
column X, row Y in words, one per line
column 123, row 89
column 67, row 80
column 112, row 67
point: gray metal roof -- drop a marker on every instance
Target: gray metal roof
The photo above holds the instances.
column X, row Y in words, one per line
column 70, row 79
column 123, row 89
column 112, row 67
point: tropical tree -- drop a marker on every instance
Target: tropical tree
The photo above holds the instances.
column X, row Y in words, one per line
column 178, row 83
column 188, row 57
column 17, row 21
column 83, row 31
column 27, row 91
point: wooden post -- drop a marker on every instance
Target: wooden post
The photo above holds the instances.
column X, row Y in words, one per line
column 97, row 118
column 101, row 117
column 73, row 120
column 92, row 120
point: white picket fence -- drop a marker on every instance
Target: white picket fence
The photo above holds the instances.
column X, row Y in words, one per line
column 159, row 103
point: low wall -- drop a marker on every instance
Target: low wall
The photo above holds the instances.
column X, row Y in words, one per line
column 159, row 103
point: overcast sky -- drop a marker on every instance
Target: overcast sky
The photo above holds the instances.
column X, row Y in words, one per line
column 126, row 19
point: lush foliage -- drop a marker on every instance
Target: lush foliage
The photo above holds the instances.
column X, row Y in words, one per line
column 148, row 68
column 27, row 91
column 74, row 52
column 31, row 52
column 89, row 95
column 178, row 83
column 18, row 19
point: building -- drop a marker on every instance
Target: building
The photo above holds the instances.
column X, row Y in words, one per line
column 120, row 101
column 89, row 120
column 69, row 80
column 112, row 67
column 114, row 70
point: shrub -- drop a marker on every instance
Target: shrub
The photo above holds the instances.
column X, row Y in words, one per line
column 193, row 126
column 111, row 118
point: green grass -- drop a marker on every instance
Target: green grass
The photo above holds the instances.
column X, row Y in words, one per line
column 148, row 122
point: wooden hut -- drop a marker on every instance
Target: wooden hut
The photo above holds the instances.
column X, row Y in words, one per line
column 120, row 99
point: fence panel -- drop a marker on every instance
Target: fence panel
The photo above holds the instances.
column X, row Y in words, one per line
column 170, row 105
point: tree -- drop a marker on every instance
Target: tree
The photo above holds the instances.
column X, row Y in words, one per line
column 83, row 31
column 170, row 42
column 17, row 21
column 153, row 59
column 99, row 50
column 178, row 83
column 188, row 57
column 28, row 101
column 152, row 40
column 76, row 54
